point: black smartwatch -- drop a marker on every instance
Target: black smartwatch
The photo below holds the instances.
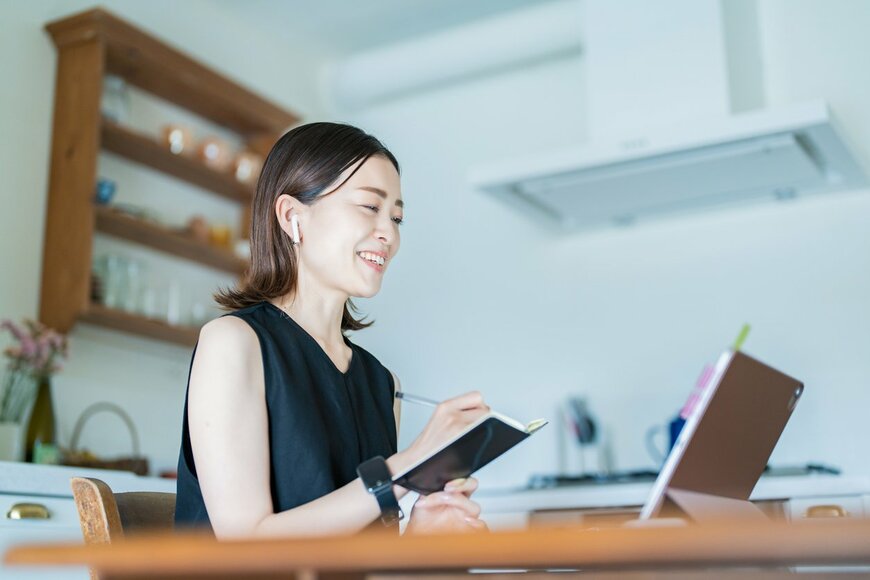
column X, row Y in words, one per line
column 377, row 479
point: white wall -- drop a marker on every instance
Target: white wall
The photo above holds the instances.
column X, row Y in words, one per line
column 482, row 298
column 146, row 378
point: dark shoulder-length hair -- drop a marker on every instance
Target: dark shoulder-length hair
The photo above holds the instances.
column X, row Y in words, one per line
column 303, row 163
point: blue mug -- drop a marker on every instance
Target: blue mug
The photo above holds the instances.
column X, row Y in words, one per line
column 674, row 428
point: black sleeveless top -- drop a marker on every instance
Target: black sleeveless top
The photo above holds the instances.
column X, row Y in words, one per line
column 322, row 423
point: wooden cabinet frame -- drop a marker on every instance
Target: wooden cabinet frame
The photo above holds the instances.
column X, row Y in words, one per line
column 90, row 45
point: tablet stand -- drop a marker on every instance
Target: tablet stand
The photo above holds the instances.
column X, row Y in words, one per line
column 704, row 507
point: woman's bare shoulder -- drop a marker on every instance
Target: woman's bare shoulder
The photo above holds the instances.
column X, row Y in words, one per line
column 227, row 330
column 227, row 355
column 227, row 342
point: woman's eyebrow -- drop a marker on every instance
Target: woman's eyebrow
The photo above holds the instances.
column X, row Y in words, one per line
column 381, row 193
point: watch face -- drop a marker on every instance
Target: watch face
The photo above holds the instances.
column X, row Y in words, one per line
column 374, row 473
column 377, row 479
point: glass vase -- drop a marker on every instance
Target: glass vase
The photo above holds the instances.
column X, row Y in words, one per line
column 19, row 390
column 11, row 441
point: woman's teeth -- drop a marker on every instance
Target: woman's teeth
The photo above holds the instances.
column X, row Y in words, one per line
column 374, row 258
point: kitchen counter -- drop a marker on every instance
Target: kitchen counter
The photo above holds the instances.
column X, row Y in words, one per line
column 509, row 508
column 53, row 480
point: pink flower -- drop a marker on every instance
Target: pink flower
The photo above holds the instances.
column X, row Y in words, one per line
column 34, row 326
column 28, row 347
column 13, row 328
column 57, row 341
column 38, row 347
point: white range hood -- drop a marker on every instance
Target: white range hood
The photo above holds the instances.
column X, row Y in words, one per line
column 676, row 121
column 767, row 154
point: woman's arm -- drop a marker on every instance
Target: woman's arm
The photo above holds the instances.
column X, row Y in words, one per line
column 230, row 440
column 397, row 403
column 229, row 436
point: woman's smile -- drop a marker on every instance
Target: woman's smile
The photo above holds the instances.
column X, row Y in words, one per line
column 375, row 260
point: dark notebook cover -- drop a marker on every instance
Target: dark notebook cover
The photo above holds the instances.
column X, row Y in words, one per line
column 471, row 450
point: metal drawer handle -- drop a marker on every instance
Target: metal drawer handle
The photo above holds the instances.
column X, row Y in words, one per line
column 28, row 511
column 826, row 511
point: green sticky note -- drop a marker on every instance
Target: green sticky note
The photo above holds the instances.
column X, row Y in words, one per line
column 741, row 338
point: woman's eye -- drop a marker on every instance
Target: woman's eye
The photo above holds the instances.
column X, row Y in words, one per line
column 399, row 220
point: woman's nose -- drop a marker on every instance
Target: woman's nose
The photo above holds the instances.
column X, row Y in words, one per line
column 385, row 231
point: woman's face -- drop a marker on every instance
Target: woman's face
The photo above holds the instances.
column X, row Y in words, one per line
column 350, row 236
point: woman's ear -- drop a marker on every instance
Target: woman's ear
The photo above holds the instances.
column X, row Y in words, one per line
column 286, row 207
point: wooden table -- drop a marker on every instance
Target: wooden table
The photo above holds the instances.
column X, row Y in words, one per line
column 709, row 549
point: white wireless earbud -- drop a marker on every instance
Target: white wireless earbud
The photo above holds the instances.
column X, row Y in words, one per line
column 294, row 226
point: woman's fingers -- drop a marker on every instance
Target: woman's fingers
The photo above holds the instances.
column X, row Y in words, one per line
column 477, row 524
column 443, row 499
column 445, row 512
column 466, row 402
column 466, row 485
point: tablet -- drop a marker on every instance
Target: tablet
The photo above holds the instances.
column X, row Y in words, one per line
column 726, row 441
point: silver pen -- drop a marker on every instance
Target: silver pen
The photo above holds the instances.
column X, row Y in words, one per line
column 415, row 399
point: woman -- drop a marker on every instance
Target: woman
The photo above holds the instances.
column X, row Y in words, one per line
column 281, row 407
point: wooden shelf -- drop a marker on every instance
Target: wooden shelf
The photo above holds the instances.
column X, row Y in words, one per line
column 120, row 225
column 165, row 71
column 147, row 151
column 91, row 45
column 139, row 325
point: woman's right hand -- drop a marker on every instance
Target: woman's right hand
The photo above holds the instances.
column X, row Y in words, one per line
column 447, row 511
column 449, row 419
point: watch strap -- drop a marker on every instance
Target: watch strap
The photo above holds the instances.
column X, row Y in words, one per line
column 377, row 480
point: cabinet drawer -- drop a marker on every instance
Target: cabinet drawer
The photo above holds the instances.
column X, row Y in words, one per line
column 849, row 506
column 583, row 517
column 61, row 512
column 62, row 525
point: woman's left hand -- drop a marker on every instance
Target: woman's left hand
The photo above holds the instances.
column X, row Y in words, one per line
column 448, row 511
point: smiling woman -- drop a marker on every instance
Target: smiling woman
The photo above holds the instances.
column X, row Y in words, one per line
column 313, row 170
column 283, row 411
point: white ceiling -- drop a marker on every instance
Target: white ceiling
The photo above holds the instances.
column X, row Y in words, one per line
column 339, row 27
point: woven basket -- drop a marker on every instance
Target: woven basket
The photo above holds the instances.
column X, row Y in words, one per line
column 84, row 458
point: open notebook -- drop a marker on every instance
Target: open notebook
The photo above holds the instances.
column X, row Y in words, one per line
column 481, row 442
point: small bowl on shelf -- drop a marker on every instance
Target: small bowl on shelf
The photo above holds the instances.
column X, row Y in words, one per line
column 197, row 227
column 247, row 166
column 177, row 139
column 215, row 153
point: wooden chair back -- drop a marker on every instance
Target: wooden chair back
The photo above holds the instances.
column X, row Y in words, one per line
column 106, row 517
